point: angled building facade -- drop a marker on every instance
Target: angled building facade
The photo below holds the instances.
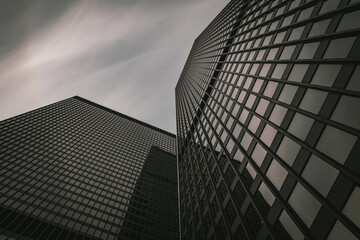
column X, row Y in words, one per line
column 268, row 123
column 77, row 170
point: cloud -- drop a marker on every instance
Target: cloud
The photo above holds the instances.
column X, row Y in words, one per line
column 126, row 55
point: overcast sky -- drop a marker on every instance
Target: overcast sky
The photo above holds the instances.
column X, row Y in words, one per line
column 125, row 54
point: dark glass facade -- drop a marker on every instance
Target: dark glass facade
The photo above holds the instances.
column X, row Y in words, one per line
column 268, row 123
column 77, row 170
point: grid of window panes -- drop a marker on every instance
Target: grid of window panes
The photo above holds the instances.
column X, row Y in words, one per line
column 68, row 170
column 156, row 181
column 272, row 151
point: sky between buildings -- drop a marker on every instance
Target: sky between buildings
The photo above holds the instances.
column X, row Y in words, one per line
column 124, row 54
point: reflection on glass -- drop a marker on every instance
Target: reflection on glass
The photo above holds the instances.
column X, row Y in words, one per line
column 290, row 226
column 304, row 204
column 339, row 48
column 336, row 144
column 278, row 114
column 298, row 72
column 347, row 112
column 277, row 174
column 320, row 175
column 326, row 74
column 313, row 100
column 308, row 50
column 288, row 150
column 319, row 28
column 288, row 93
column 300, row 126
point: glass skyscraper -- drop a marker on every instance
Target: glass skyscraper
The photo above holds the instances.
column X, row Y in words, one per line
column 268, row 123
column 77, row 170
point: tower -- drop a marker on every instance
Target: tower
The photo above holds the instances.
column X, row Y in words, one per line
column 268, row 123
column 77, row 170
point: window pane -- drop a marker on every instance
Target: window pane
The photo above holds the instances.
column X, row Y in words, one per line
column 288, row 150
column 300, row 126
column 246, row 140
column 347, row 112
column 336, row 143
column 296, row 33
column 279, row 37
column 272, row 54
column 258, row 85
column 278, row 71
column 239, row 156
column 277, row 174
column 305, row 14
column 329, row 6
column 339, row 48
column 262, row 106
column 298, row 72
column 319, row 28
column 354, row 83
column 290, row 226
column 313, row 100
column 349, row 21
column 339, row 231
column 258, row 154
column 304, row 204
column 278, row 114
column 268, row 134
column 352, row 207
column 320, row 174
column 254, row 124
column 251, row 170
column 250, row 101
column 326, row 74
column 270, row 89
column 265, row 192
column 287, row 52
column 308, row 50
column 288, row 93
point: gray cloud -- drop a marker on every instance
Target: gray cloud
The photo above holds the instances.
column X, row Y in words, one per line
column 126, row 55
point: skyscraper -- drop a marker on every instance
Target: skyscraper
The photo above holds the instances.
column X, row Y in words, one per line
column 77, row 170
column 268, row 123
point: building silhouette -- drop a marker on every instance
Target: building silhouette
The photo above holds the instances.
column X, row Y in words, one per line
column 77, row 170
column 268, row 123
